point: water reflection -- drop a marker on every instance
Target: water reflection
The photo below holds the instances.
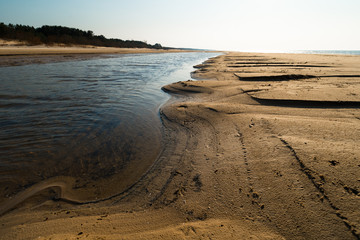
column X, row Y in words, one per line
column 93, row 120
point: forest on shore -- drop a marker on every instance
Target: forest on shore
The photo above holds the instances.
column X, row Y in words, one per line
column 50, row 35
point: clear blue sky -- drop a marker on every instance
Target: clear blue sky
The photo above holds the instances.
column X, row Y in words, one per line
column 210, row 24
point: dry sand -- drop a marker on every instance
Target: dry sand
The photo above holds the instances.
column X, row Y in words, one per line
column 267, row 149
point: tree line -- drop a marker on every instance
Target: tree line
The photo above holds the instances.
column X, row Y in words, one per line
column 64, row 35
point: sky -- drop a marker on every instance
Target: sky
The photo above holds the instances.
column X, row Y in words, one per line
column 239, row 25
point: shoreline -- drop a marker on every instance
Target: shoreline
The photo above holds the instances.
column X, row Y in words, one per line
column 24, row 55
column 238, row 162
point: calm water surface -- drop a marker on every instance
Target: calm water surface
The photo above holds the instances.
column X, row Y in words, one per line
column 87, row 119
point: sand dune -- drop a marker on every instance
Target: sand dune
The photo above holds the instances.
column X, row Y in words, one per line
column 268, row 149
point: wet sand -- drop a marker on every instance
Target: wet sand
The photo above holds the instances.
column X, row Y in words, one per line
column 268, row 148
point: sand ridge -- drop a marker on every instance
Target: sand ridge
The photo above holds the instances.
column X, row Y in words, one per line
column 266, row 149
column 297, row 126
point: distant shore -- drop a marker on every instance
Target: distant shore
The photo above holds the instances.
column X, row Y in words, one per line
column 23, row 55
column 267, row 147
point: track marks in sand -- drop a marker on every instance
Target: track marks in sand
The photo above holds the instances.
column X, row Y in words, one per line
column 282, row 194
column 271, row 174
column 254, row 196
column 313, row 176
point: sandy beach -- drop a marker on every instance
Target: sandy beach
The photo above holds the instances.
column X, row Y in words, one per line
column 262, row 146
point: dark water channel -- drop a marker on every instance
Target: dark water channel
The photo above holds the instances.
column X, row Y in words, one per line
column 95, row 120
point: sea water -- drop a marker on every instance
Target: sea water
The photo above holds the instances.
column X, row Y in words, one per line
column 336, row 52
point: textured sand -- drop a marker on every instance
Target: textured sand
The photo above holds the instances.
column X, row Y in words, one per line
column 268, row 148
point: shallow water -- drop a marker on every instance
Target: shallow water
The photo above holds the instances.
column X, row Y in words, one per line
column 93, row 120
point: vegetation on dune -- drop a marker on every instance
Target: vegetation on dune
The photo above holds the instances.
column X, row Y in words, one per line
column 64, row 35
